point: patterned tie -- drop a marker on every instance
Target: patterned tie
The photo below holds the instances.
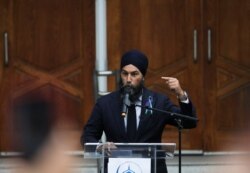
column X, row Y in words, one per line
column 131, row 123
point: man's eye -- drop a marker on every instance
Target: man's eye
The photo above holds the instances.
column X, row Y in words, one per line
column 124, row 73
column 134, row 74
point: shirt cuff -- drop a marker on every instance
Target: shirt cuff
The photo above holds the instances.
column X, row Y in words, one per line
column 185, row 101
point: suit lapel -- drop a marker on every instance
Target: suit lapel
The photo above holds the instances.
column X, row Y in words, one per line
column 146, row 114
column 117, row 112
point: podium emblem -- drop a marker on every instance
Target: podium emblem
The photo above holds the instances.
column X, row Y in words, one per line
column 129, row 167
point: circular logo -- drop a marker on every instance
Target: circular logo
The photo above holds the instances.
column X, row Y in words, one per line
column 129, row 167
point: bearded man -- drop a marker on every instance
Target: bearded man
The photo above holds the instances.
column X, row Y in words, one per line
column 139, row 125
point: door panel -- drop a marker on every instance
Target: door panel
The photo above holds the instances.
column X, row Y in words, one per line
column 50, row 43
column 229, row 88
column 47, row 30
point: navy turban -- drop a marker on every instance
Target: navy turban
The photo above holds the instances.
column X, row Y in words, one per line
column 136, row 58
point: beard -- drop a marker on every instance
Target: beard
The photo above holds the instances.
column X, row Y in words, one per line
column 134, row 91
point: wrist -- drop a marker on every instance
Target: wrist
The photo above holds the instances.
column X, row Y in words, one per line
column 180, row 93
column 183, row 96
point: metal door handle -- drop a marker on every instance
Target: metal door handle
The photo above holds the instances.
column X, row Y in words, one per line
column 195, row 45
column 6, row 53
column 209, row 46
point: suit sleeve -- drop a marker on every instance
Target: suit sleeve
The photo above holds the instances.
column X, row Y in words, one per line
column 184, row 108
column 93, row 130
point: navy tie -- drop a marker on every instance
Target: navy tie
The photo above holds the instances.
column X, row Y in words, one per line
column 131, row 123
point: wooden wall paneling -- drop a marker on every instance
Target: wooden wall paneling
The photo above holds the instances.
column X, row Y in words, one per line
column 2, row 30
column 209, row 74
column 228, row 87
column 114, row 40
column 5, row 83
column 195, row 84
column 50, row 43
column 88, row 55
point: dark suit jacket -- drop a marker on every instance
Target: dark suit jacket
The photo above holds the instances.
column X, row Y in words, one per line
column 106, row 116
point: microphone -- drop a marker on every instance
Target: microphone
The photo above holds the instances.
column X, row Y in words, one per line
column 126, row 101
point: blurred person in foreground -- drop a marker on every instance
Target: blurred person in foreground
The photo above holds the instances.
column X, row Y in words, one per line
column 40, row 139
column 239, row 159
column 147, row 125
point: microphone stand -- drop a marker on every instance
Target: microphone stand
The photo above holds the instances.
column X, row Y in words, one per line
column 180, row 127
column 178, row 118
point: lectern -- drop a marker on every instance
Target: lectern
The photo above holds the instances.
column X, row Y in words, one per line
column 128, row 157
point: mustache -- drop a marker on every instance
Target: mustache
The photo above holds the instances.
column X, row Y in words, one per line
column 127, row 89
column 133, row 91
column 122, row 85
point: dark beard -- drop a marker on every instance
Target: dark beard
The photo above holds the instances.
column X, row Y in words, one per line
column 134, row 91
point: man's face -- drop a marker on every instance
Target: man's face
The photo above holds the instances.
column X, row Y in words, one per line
column 131, row 75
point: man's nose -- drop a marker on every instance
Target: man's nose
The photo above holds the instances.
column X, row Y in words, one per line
column 129, row 78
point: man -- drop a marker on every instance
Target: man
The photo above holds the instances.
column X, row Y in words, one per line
column 148, row 124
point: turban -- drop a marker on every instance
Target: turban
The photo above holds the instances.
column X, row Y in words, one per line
column 136, row 58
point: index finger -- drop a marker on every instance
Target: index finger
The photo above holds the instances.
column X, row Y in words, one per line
column 166, row 78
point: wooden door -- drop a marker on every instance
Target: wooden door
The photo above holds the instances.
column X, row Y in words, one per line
column 51, row 52
column 163, row 30
column 227, row 73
